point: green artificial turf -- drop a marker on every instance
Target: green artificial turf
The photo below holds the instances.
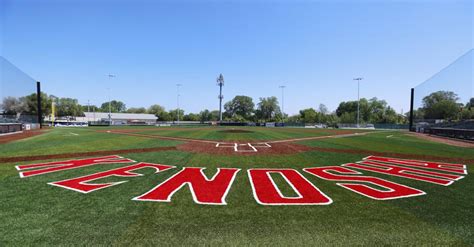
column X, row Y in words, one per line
column 35, row 213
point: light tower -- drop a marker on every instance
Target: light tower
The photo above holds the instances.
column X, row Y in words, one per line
column 282, row 101
column 358, row 79
column 177, row 100
column 220, row 83
column 110, row 103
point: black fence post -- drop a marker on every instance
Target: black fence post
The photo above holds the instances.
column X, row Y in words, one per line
column 411, row 109
column 38, row 97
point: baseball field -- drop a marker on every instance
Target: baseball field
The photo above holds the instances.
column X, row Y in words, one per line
column 260, row 186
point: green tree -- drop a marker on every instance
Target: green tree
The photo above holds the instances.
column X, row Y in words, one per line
column 346, row 107
column 371, row 111
column 308, row 115
column 214, row 115
column 332, row 120
column 267, row 108
column 66, row 107
column 191, row 117
column 136, row 110
column 441, row 105
column 115, row 105
column 174, row 114
column 347, row 117
column 31, row 105
column 241, row 106
column 205, row 116
column 90, row 108
column 160, row 112
column 294, row 118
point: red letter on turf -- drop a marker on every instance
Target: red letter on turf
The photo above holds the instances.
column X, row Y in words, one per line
column 69, row 164
column 267, row 193
column 394, row 190
column 80, row 184
column 447, row 167
column 204, row 190
column 410, row 173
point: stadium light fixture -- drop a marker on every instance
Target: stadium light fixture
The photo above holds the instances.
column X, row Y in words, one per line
column 358, row 79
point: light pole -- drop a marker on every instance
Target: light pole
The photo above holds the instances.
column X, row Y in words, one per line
column 220, row 83
column 177, row 100
column 110, row 103
column 110, row 106
column 358, row 79
column 282, row 101
column 88, row 111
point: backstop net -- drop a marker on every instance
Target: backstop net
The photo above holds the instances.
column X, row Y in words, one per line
column 18, row 105
column 444, row 104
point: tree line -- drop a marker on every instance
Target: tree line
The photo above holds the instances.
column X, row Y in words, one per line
column 438, row 105
column 444, row 105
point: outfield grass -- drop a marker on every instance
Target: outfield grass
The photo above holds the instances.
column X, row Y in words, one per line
column 34, row 213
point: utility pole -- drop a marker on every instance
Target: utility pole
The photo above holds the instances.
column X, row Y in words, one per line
column 358, row 79
column 220, row 83
column 177, row 100
column 110, row 103
column 282, row 101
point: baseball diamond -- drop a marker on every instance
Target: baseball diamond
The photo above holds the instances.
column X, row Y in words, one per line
column 338, row 176
column 236, row 123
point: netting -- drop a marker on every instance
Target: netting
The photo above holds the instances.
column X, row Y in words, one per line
column 447, row 98
column 18, row 95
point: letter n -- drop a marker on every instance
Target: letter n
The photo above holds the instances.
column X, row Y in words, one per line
column 205, row 191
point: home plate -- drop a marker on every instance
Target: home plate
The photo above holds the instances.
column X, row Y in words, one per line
column 243, row 147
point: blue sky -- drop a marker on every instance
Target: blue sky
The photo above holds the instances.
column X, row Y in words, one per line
column 315, row 48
